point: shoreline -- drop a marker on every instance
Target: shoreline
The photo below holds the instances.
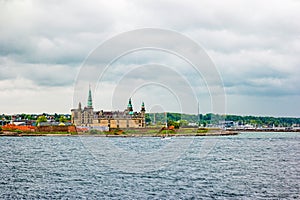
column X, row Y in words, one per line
column 12, row 134
column 139, row 133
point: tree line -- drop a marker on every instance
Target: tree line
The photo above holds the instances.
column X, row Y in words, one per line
column 210, row 118
column 44, row 116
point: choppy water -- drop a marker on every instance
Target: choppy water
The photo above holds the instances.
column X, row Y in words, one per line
column 247, row 166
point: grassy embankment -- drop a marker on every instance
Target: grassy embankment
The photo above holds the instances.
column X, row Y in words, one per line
column 157, row 132
column 143, row 132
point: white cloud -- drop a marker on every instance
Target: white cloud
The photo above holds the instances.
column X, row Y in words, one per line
column 255, row 45
column 23, row 96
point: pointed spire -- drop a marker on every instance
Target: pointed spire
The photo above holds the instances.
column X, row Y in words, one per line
column 143, row 107
column 90, row 102
column 129, row 106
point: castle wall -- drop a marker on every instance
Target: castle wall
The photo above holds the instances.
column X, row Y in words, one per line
column 133, row 124
column 122, row 123
column 89, row 120
column 103, row 122
column 113, row 119
column 113, row 124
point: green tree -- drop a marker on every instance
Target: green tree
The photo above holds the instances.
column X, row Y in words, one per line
column 183, row 123
column 56, row 117
column 62, row 119
column 41, row 119
column 147, row 118
column 172, row 123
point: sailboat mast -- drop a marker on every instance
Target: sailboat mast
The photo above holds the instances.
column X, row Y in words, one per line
column 198, row 113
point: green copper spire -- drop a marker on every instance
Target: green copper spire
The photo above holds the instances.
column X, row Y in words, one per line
column 129, row 106
column 90, row 102
column 143, row 107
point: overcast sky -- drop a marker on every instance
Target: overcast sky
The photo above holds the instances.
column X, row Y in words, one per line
column 255, row 46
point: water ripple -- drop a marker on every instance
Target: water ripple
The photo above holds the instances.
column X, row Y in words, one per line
column 247, row 166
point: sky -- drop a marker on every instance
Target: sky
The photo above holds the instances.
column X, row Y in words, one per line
column 254, row 46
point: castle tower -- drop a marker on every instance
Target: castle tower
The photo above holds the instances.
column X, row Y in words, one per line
column 143, row 112
column 90, row 102
column 88, row 111
column 76, row 115
column 129, row 106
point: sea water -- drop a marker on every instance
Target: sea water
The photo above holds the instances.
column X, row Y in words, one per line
column 245, row 166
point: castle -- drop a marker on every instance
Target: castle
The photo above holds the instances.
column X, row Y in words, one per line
column 111, row 119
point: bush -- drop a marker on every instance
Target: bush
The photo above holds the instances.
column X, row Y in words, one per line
column 174, row 124
column 116, row 131
column 93, row 131
column 166, row 132
column 18, row 131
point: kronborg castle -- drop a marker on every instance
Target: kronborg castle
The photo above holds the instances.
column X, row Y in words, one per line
column 112, row 119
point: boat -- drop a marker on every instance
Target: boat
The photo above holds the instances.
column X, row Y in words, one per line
column 165, row 138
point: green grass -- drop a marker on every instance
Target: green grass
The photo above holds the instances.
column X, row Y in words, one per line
column 152, row 131
column 131, row 131
column 166, row 132
column 202, row 130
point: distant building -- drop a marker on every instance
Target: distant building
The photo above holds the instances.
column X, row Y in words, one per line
column 112, row 119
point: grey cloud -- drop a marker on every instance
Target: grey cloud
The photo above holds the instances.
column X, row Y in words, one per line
column 40, row 74
column 255, row 44
column 51, row 32
column 259, row 17
column 261, row 81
